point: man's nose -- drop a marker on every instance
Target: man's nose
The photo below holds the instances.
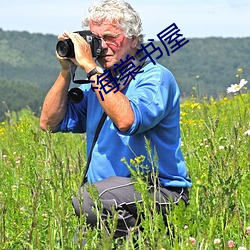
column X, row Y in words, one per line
column 104, row 44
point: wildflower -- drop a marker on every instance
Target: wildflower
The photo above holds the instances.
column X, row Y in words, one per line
column 132, row 162
column 247, row 133
column 22, row 210
column 195, row 105
column 216, row 241
column 242, row 248
column 230, row 244
column 221, row 147
column 198, row 182
column 240, row 70
column 248, row 230
column 237, row 87
column 192, row 240
column 45, row 216
column 14, row 188
column 137, row 159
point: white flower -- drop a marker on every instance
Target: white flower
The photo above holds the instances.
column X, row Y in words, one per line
column 242, row 248
column 246, row 133
column 22, row 210
column 192, row 240
column 217, row 241
column 237, row 87
column 248, row 230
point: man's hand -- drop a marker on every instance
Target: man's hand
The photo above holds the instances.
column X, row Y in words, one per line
column 83, row 54
column 66, row 63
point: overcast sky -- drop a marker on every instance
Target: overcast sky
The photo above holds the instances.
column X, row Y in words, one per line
column 195, row 18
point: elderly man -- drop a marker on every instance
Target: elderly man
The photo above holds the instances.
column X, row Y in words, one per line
column 146, row 107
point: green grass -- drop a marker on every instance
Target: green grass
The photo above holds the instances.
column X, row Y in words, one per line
column 40, row 172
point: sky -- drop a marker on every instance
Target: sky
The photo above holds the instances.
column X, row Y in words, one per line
column 194, row 18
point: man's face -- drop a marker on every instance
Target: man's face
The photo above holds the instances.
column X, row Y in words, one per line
column 114, row 43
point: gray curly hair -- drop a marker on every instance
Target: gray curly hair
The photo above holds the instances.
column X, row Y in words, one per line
column 116, row 11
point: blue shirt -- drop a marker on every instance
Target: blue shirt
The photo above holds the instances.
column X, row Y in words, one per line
column 154, row 98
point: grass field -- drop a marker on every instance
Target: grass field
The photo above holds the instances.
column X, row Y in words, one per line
column 40, row 172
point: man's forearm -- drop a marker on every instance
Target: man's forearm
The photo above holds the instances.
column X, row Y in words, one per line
column 117, row 107
column 55, row 103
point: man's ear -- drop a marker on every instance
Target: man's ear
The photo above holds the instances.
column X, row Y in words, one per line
column 134, row 42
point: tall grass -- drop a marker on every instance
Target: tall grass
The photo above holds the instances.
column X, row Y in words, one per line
column 40, row 172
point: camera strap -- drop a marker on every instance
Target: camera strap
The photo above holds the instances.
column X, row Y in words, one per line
column 98, row 129
column 97, row 132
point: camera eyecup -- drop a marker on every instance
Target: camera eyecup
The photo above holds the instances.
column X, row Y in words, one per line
column 75, row 95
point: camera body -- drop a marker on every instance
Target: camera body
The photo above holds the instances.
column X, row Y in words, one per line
column 65, row 48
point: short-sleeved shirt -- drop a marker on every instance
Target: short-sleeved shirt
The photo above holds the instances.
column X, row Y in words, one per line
column 154, row 98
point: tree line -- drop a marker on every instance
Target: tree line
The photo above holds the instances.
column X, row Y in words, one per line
column 203, row 67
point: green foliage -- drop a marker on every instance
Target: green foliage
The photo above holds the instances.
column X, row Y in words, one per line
column 28, row 58
column 14, row 95
column 28, row 68
column 40, row 172
column 209, row 63
column 36, row 184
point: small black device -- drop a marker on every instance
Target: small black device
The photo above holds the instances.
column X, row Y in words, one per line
column 65, row 48
column 75, row 95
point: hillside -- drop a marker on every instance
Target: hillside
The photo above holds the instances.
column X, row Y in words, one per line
column 211, row 63
column 28, row 66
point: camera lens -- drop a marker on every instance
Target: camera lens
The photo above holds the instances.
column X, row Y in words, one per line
column 65, row 48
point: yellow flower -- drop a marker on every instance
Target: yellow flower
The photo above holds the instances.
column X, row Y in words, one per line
column 195, row 105
column 240, row 70
column 138, row 160
column 132, row 162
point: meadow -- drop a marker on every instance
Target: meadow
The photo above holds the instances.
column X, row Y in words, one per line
column 40, row 172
